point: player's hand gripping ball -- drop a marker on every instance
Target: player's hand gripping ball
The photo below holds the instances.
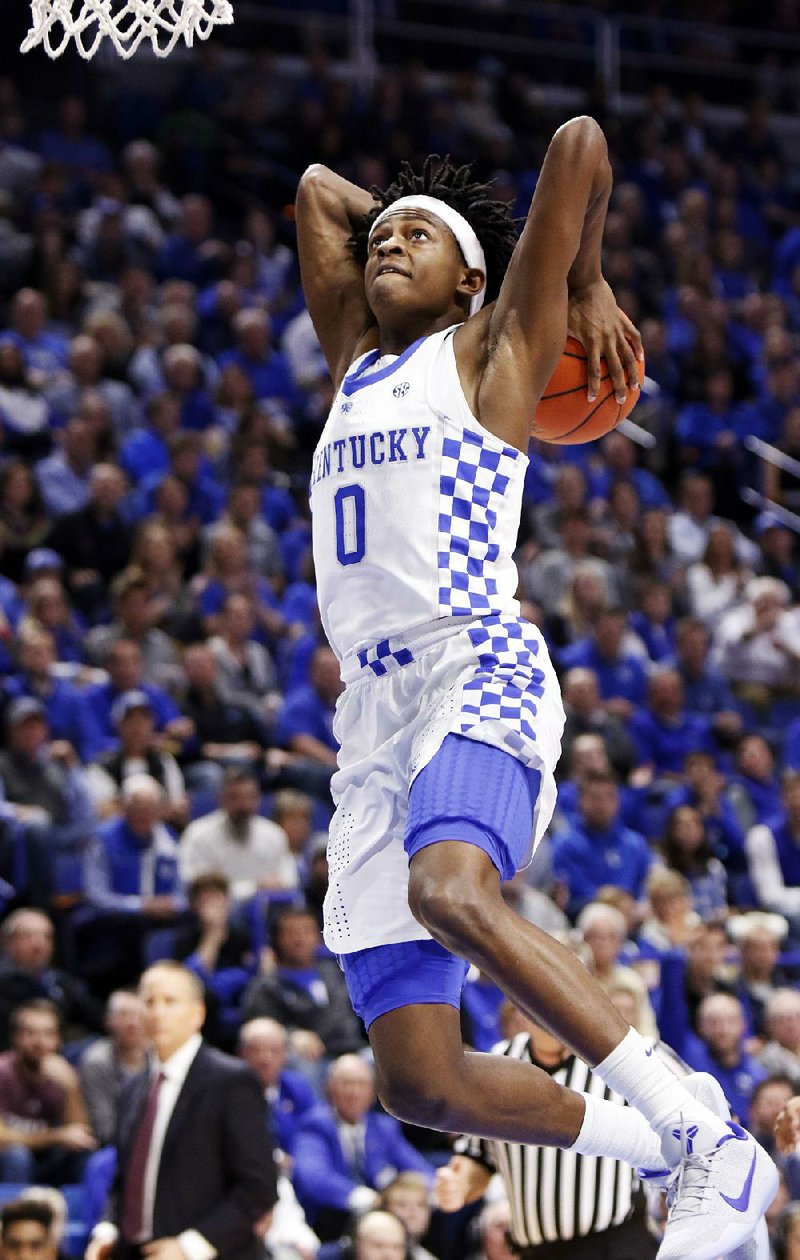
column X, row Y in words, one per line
column 565, row 415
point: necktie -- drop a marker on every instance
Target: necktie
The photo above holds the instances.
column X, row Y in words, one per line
column 131, row 1216
column 355, row 1153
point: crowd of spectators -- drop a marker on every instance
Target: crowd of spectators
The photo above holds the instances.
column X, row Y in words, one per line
column 167, row 697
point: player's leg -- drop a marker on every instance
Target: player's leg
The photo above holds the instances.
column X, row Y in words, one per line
column 454, row 891
column 469, row 824
column 462, row 807
column 409, row 995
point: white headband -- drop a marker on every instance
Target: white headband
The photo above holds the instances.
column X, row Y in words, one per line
column 462, row 231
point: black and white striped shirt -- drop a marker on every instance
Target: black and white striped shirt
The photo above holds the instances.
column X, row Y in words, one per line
column 554, row 1194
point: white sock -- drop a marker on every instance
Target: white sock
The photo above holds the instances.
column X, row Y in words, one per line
column 619, row 1132
column 647, row 1084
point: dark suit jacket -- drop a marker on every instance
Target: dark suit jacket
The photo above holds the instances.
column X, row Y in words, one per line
column 217, row 1169
column 322, row 1177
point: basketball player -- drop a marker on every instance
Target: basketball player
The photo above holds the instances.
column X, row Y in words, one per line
column 441, row 334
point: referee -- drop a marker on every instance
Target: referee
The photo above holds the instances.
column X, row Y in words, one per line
column 564, row 1206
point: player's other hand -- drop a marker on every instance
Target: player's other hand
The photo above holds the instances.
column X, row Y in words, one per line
column 787, row 1127
column 605, row 332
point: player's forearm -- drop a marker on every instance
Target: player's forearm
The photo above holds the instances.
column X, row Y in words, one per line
column 585, row 144
column 323, row 196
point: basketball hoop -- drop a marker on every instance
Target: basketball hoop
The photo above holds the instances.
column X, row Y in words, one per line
column 127, row 23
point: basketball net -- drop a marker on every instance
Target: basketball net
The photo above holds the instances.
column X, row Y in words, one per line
column 127, row 23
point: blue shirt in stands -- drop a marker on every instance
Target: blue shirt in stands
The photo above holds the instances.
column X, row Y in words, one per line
column 279, row 509
column 585, row 860
column 205, row 498
column 182, row 259
column 658, row 639
column 295, row 543
column 213, row 595
column 69, row 713
column 791, row 746
column 698, row 427
column 650, row 490
column 288, row 1103
column 100, row 700
column 707, row 692
column 738, row 1082
column 121, row 868
column 723, row 829
column 623, row 677
column 300, row 604
column 763, row 794
column 46, row 353
column 62, row 489
column 144, row 454
column 304, row 713
column 270, row 377
column 483, row 1001
column 666, row 745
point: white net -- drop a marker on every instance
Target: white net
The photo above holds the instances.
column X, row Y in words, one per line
column 127, row 23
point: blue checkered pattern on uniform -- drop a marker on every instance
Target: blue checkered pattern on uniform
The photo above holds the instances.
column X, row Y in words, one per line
column 473, row 477
column 507, row 682
column 380, row 655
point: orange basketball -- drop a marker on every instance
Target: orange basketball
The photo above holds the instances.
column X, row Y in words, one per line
column 565, row 415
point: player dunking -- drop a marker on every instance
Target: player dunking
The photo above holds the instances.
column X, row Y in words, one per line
column 451, row 718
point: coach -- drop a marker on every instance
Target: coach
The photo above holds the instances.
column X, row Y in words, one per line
column 196, row 1165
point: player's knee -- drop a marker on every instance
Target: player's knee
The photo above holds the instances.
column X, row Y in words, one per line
column 455, row 910
column 414, row 1098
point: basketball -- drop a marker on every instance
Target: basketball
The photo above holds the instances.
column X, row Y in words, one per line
column 565, row 415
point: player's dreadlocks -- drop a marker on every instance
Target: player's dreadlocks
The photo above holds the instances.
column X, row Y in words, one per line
column 490, row 220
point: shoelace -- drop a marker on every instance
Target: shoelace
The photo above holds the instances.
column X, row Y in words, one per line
column 688, row 1186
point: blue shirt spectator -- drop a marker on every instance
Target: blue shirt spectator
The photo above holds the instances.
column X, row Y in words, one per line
column 69, row 715
column 621, row 676
column 665, row 732
column 719, row 1049
column 791, row 746
column 43, row 350
column 703, row 429
column 481, row 1004
column 264, row 1046
column 191, row 253
column 131, row 864
column 598, row 850
column 705, row 689
column 64, row 477
column 754, row 788
column 305, row 724
column 124, row 664
column 704, row 791
column 619, row 463
column 267, row 369
column 204, row 497
column 343, row 1146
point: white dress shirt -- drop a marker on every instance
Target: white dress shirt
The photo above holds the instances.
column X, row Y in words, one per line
column 174, row 1071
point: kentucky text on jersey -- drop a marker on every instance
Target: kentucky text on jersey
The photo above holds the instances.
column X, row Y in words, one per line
column 392, row 446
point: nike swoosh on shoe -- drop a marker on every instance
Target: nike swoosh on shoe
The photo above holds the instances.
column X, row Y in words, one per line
column 742, row 1202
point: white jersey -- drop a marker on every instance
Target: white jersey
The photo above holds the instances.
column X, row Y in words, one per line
column 416, row 509
column 415, row 505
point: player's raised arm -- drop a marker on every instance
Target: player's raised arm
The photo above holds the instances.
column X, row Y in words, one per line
column 557, row 256
column 333, row 281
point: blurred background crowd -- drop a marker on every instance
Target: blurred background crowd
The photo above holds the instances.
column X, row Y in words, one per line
column 166, row 695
